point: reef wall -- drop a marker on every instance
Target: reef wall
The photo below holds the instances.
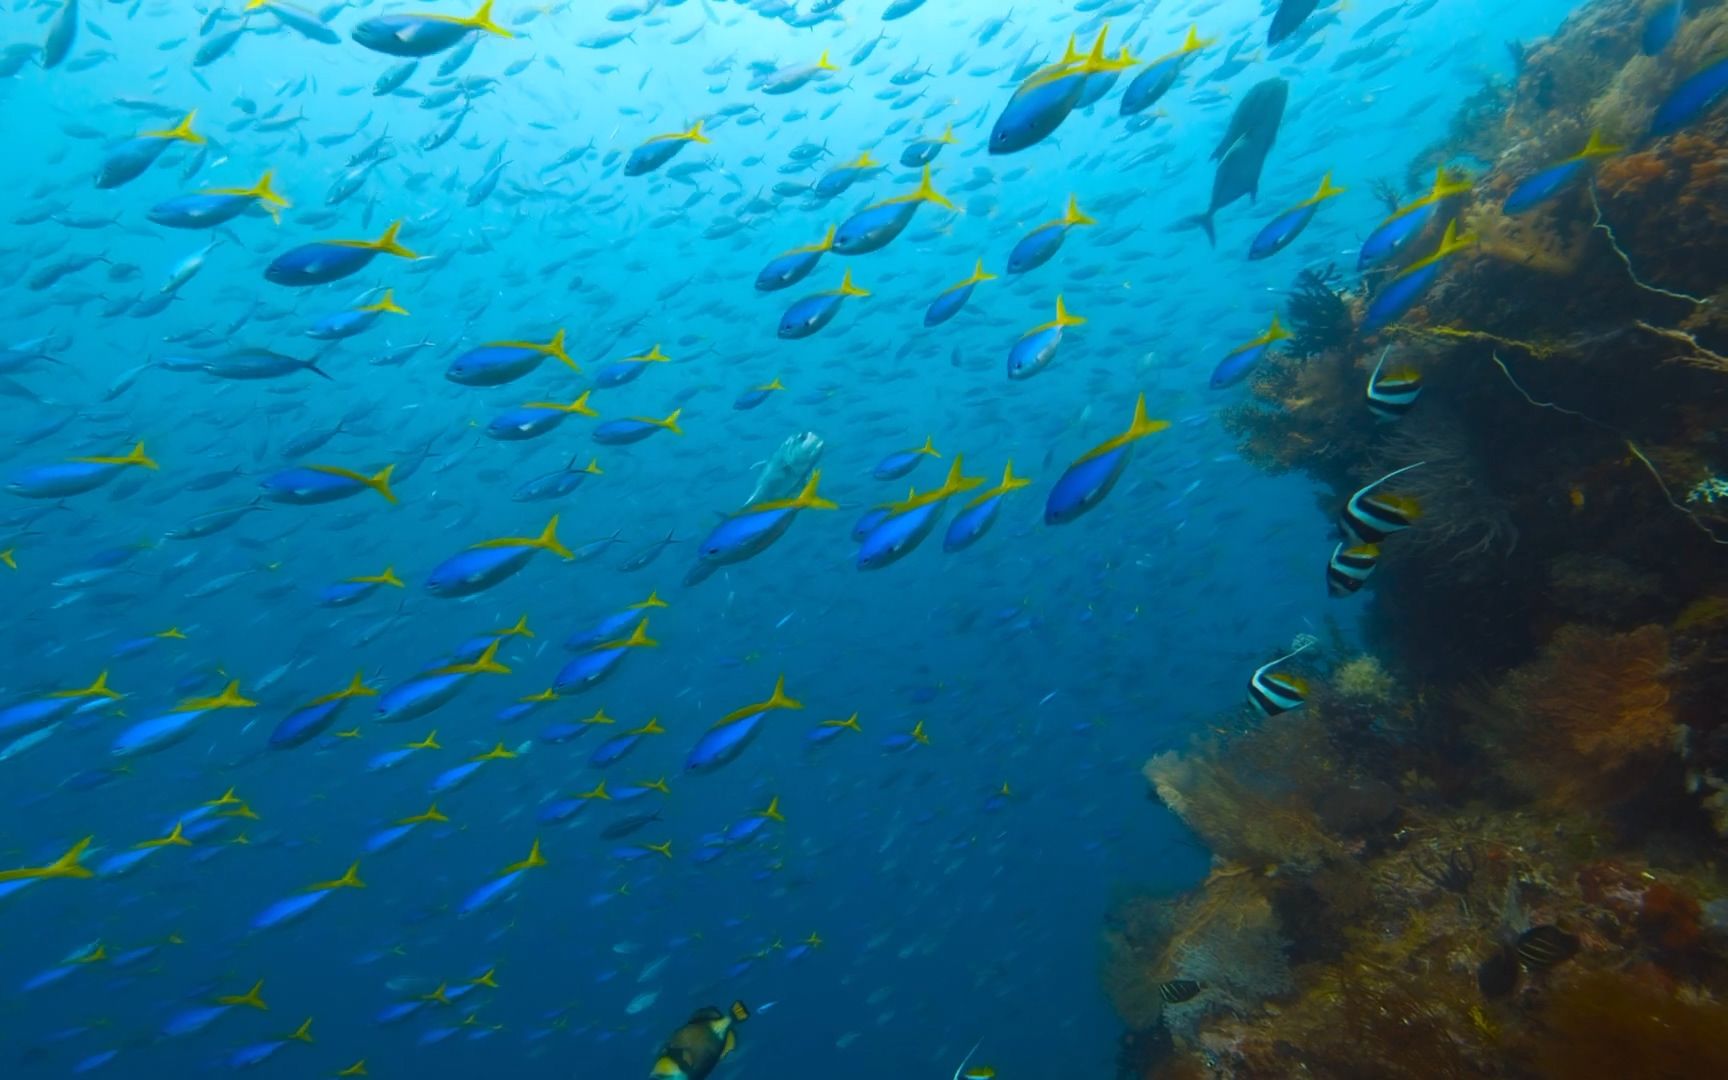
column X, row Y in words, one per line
column 1493, row 846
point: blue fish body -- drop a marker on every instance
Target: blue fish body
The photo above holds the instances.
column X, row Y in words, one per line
column 318, row 263
column 745, row 535
column 836, row 181
column 346, row 593
column 809, row 315
column 1154, row 82
column 203, row 210
column 127, row 161
column 611, row 628
column 898, row 743
column 1536, row 190
column 418, row 697
column 124, row 862
column 559, row 811
column 722, row 743
column 385, row 839
column 788, row 269
column 303, row 725
column 1398, row 296
column 588, row 670
column 1392, row 234
column 389, row 759
column 192, row 1021
column 868, row 521
column 614, row 750
column 551, row 486
column 898, row 464
column 411, row 36
column 745, row 831
column 1691, row 99
column 399, row 1011
column 870, row 229
column 524, row 422
column 619, row 374
column 1037, row 247
column 304, row 486
column 1236, row 366
column 288, row 909
column 453, row 777
column 624, row 431
column 971, row 523
column 248, row 1057
column 33, row 715
column 61, row 479
column 156, row 733
column 1281, row 231
column 1095, row 87
column 561, row 731
column 343, row 324
column 1033, row 352
column 1084, row 485
column 651, row 155
column 749, row 399
column 490, row 893
column 1034, row 112
column 493, row 365
column 948, row 305
column 898, row 536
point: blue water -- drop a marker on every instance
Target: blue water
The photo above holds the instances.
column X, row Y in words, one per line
column 1051, row 659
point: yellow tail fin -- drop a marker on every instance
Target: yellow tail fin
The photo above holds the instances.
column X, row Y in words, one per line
column 389, row 245
column 497, row 753
column 555, row 348
column 847, row 288
column 653, row 601
column 99, row 688
column 980, row 274
column 303, row 1033
column 1010, row 482
column 670, row 423
column 639, row 637
column 599, row 792
column 772, row 811
column 694, row 134
column 487, row 980
column 387, row 304
column 264, row 192
column 948, row 136
column 778, row 699
column 1064, row 317
column 250, row 998
column 593, row 468
column 548, row 538
column 176, row 838
column 1327, row 191
column 1141, row 425
column 1597, row 148
column 356, row 1069
column 380, row 482
column 518, row 630
column 929, row 447
column 482, row 20
column 430, row 742
column 662, row 849
column 432, row 814
column 1075, row 216
column 927, row 192
column 485, row 663
column 388, row 577
column 824, row 64
column 181, row 131
column 652, row 727
column 350, row 879
column 533, row 860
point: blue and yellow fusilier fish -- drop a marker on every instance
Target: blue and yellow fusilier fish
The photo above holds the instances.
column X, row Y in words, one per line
column 1035, row 348
column 78, row 959
column 389, row 759
column 742, row 832
column 503, row 885
column 906, row 524
column 161, row 732
column 1691, row 99
column 124, row 862
column 702, row 1043
column 901, row 741
column 315, row 717
column 248, row 1057
column 902, row 462
column 490, row 562
column 1160, row 75
column 34, row 714
column 127, row 161
column 355, row 589
column 875, row 227
column 346, row 324
column 628, row 370
column 500, row 362
column 954, row 297
column 556, row 485
column 976, row 517
column 195, row 1019
column 829, row 730
column 1350, row 567
column 1536, row 190
column 749, row 532
column 733, row 733
column 69, row 865
column 789, row 79
column 1390, row 236
column 1099, row 83
column 415, row 36
column 431, row 690
column 562, row 810
column 1282, row 230
column 922, row 152
column 609, row 627
column 74, row 476
column 793, row 266
column 536, row 418
column 634, row 852
column 1042, row 102
column 288, row 909
column 137, row 646
column 1274, row 693
column 1371, row 515
column 305, row 23
column 309, row 485
column 216, row 206
column 811, row 313
column 592, row 667
column 633, row 429
column 324, row 261
column 640, row 789
column 525, row 706
column 387, row 838
column 1393, row 393
column 618, row 747
column 1241, row 360
column 756, row 395
column 1085, row 483
column 455, row 776
column 660, row 149
column 836, row 180
column 1401, row 293
column 1038, row 246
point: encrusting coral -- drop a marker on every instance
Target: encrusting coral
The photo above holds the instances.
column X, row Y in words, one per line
column 1540, row 716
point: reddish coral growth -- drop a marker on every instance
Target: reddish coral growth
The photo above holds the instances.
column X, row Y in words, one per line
column 1669, row 921
column 1605, row 1024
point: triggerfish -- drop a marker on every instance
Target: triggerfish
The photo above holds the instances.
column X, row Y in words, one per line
column 1086, row 482
column 954, row 297
column 1286, row 227
column 1536, row 190
column 415, row 36
column 1241, row 360
column 694, row 1049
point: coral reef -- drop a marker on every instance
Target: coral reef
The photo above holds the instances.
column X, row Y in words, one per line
column 1490, row 845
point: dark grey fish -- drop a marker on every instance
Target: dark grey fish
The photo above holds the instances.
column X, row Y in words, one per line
column 647, row 555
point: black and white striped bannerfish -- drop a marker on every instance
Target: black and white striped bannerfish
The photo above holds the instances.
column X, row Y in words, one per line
column 1390, row 395
column 1371, row 516
column 1349, row 567
column 1271, row 693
